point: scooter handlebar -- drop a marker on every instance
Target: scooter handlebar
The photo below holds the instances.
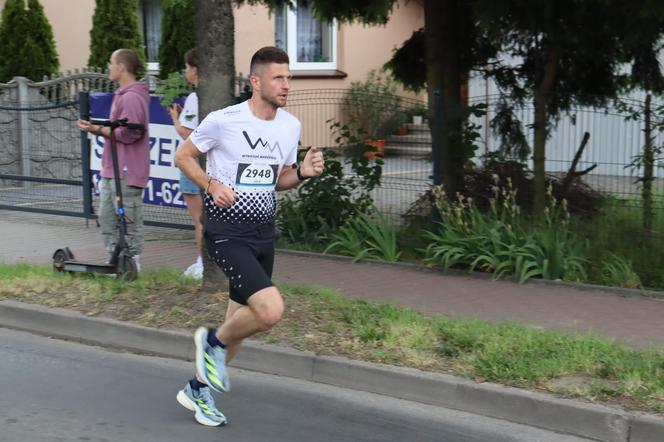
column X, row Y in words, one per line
column 117, row 123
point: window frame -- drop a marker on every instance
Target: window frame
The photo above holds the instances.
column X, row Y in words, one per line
column 291, row 45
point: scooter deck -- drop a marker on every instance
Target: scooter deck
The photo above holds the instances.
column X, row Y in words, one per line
column 75, row 266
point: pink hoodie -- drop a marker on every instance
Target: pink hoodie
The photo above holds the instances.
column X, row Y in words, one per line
column 133, row 147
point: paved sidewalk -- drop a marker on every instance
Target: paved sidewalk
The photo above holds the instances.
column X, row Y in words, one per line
column 634, row 320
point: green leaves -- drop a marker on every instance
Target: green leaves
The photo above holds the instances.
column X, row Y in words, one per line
column 322, row 205
column 370, row 236
column 618, row 271
column 28, row 47
column 115, row 26
column 176, row 85
column 497, row 242
column 372, row 108
column 177, row 36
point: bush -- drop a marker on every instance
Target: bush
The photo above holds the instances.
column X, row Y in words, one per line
column 177, row 35
column 370, row 235
column 115, row 26
column 28, row 48
column 320, row 206
column 498, row 242
column 371, row 107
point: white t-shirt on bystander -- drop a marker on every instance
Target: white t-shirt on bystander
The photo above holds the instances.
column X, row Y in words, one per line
column 189, row 115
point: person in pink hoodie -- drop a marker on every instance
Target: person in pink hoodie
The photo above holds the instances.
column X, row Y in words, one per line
column 130, row 101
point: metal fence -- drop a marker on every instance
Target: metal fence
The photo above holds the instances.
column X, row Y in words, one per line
column 41, row 158
column 44, row 160
column 616, row 139
column 406, row 168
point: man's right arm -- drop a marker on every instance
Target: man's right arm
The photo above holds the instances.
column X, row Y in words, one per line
column 186, row 159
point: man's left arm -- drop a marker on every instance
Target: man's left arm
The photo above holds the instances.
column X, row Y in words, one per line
column 312, row 166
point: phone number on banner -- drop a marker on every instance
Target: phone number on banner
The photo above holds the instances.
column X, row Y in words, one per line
column 159, row 191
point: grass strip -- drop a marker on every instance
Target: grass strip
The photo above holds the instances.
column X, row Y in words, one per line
column 320, row 320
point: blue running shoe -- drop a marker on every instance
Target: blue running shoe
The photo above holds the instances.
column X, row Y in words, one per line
column 211, row 362
column 202, row 404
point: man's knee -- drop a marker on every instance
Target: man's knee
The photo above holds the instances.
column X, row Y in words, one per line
column 268, row 306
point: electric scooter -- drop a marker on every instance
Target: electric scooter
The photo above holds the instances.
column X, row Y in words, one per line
column 121, row 263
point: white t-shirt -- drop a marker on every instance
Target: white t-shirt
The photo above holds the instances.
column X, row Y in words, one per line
column 246, row 154
column 189, row 115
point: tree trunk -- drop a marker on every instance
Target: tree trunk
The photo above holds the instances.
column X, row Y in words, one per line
column 539, row 153
column 443, row 36
column 648, row 169
column 215, row 40
column 540, row 101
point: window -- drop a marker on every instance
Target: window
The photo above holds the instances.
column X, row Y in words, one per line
column 149, row 21
column 310, row 43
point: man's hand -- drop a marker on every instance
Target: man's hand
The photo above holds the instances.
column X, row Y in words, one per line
column 86, row 126
column 222, row 195
column 313, row 163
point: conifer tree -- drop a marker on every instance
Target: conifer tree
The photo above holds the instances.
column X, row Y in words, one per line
column 177, row 35
column 27, row 48
column 115, row 26
column 42, row 33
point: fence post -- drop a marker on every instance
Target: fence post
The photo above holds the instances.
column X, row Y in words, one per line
column 24, row 128
column 86, row 178
column 436, row 155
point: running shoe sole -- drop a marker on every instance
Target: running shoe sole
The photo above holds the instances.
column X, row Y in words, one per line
column 200, row 417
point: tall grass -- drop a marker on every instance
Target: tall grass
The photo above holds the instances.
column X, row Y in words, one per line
column 502, row 241
column 616, row 233
column 369, row 235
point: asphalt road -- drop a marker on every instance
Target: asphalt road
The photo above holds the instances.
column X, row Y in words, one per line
column 53, row 390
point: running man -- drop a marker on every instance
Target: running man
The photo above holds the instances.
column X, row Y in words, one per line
column 251, row 152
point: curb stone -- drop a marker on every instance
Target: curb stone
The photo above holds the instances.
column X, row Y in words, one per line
column 521, row 406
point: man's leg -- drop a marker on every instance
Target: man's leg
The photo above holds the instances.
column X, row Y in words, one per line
column 263, row 311
column 107, row 217
column 231, row 349
column 248, row 267
column 195, row 395
column 132, row 199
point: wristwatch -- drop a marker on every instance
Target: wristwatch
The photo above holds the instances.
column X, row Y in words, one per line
column 300, row 176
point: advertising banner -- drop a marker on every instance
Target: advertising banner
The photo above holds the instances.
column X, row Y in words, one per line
column 163, row 189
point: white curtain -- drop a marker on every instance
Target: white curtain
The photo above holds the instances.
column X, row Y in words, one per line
column 151, row 26
column 309, row 35
column 280, row 32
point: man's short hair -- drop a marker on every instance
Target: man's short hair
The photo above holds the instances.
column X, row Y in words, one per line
column 265, row 56
column 129, row 58
column 191, row 57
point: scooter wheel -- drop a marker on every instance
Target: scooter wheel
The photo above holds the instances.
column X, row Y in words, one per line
column 59, row 258
column 127, row 268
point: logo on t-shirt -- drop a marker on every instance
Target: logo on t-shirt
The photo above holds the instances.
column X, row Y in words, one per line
column 262, row 143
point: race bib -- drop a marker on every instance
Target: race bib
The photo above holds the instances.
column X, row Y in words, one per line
column 256, row 175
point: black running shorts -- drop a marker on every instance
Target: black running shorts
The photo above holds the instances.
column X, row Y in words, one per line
column 247, row 264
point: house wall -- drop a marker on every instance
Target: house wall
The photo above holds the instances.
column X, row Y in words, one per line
column 360, row 48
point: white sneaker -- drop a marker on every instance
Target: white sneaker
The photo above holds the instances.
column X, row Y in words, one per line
column 194, row 271
column 137, row 260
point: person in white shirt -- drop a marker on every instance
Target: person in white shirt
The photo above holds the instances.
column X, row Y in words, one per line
column 185, row 120
column 251, row 152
